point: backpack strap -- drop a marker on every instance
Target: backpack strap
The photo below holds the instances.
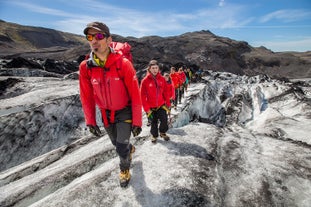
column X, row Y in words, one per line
column 104, row 117
column 107, row 121
column 112, row 118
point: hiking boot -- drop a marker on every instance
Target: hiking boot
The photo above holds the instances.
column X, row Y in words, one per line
column 153, row 139
column 132, row 152
column 164, row 136
column 125, row 177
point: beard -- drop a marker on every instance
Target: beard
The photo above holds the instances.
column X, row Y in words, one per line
column 95, row 48
column 100, row 50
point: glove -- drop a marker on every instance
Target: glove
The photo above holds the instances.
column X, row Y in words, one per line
column 136, row 130
column 95, row 130
column 150, row 116
column 168, row 111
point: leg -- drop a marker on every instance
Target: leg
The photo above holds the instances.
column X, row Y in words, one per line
column 154, row 131
column 124, row 149
column 176, row 97
column 123, row 146
column 163, row 124
column 162, row 115
column 119, row 135
column 112, row 133
column 179, row 94
column 122, row 142
column 154, row 125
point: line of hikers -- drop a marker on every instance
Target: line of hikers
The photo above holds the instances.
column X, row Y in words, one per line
column 107, row 80
column 159, row 93
column 180, row 80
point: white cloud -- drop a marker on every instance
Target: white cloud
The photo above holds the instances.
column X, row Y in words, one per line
column 130, row 22
column 41, row 9
column 286, row 15
column 221, row 3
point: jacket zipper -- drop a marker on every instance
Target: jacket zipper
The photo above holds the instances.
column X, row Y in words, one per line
column 157, row 91
column 106, row 88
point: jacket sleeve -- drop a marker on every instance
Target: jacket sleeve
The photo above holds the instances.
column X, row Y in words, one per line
column 175, row 79
column 166, row 93
column 144, row 95
column 86, row 95
column 131, row 83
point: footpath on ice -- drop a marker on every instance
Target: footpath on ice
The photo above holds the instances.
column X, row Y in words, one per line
column 246, row 154
column 85, row 173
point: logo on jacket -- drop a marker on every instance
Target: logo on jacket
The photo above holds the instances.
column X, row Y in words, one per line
column 95, row 81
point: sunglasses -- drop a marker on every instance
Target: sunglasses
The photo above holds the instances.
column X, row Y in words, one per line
column 98, row 36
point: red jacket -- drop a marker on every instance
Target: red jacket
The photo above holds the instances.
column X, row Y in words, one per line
column 110, row 88
column 154, row 92
column 175, row 79
column 182, row 76
column 170, row 89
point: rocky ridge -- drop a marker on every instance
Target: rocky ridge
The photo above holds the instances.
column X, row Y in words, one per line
column 197, row 50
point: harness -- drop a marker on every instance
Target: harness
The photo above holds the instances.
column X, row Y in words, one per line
column 112, row 120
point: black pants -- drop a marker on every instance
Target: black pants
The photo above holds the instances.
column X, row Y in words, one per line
column 176, row 96
column 159, row 122
column 181, row 93
column 119, row 134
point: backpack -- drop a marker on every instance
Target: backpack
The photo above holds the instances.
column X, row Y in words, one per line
column 122, row 48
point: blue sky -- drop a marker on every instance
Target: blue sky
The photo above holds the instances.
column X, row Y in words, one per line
column 279, row 25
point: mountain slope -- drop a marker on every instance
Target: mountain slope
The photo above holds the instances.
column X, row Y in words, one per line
column 19, row 37
column 198, row 50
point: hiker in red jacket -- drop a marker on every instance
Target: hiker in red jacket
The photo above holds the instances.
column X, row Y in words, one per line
column 156, row 101
column 170, row 87
column 108, row 80
column 176, row 83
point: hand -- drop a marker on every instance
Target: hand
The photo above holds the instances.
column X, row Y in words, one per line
column 136, row 130
column 150, row 116
column 95, row 130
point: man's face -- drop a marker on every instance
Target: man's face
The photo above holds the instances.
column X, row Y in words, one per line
column 154, row 69
column 97, row 45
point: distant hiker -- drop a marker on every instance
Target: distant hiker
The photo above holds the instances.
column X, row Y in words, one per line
column 156, row 101
column 171, row 91
column 170, row 87
column 189, row 75
column 182, row 83
column 108, row 80
column 176, row 83
column 187, row 78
